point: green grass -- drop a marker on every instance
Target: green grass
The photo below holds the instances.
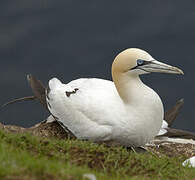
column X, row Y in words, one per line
column 23, row 156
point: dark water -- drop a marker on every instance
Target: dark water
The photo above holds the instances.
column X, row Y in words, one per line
column 70, row 39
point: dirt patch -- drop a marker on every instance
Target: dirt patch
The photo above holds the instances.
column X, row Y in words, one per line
column 171, row 149
column 54, row 130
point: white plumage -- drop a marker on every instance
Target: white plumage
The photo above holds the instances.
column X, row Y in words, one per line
column 126, row 111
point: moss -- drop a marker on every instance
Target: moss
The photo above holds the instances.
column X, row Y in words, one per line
column 24, row 156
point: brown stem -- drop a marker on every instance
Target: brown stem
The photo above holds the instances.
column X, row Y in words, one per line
column 172, row 113
column 28, row 98
column 38, row 89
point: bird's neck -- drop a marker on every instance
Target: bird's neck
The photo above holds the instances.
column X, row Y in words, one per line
column 143, row 105
column 129, row 87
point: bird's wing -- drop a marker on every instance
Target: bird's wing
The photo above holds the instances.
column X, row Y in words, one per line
column 89, row 96
column 84, row 104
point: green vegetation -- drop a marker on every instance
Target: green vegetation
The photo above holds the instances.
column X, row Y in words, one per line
column 23, row 156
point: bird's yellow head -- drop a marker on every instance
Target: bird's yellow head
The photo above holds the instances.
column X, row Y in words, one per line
column 136, row 61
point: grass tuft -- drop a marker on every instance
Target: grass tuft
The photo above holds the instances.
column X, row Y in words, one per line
column 24, row 156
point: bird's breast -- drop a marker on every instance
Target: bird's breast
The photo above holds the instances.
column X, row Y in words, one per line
column 144, row 116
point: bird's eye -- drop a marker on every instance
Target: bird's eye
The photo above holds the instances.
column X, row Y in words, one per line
column 140, row 62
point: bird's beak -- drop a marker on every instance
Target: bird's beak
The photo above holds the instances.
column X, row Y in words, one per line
column 156, row 66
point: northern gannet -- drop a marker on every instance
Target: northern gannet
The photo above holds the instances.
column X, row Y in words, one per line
column 125, row 111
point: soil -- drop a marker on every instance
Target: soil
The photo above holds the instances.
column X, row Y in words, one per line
column 54, row 130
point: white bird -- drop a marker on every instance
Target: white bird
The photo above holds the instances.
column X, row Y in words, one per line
column 125, row 111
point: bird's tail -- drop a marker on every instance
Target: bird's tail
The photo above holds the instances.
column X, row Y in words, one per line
column 54, row 83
